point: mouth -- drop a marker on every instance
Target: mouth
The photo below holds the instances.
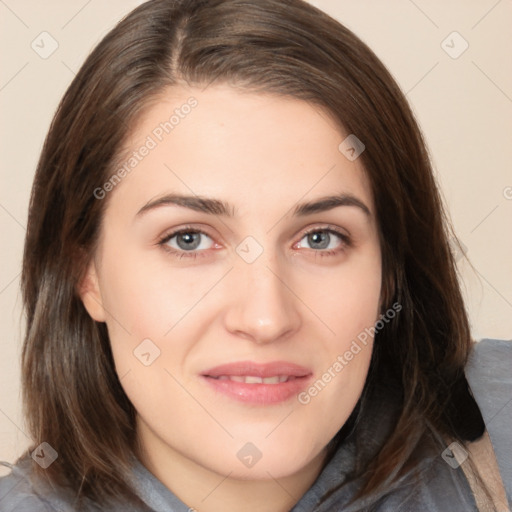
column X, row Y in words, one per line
column 252, row 379
column 269, row 383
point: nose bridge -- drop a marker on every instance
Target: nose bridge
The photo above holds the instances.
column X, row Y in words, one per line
column 262, row 309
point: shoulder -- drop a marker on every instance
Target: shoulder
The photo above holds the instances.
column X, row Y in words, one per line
column 18, row 494
column 435, row 487
column 489, row 373
column 27, row 490
column 489, row 355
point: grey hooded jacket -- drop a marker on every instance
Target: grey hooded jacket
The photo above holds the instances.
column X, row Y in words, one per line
column 438, row 488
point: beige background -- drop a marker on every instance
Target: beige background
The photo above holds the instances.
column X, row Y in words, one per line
column 463, row 104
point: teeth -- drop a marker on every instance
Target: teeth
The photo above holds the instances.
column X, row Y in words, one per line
column 252, row 379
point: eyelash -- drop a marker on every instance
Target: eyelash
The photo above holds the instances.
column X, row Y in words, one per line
column 345, row 242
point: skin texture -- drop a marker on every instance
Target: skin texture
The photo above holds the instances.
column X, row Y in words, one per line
column 263, row 154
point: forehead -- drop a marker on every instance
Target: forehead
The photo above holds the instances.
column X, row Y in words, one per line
column 254, row 149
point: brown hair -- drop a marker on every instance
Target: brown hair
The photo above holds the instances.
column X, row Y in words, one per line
column 285, row 47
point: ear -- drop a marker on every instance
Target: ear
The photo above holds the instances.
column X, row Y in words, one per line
column 89, row 292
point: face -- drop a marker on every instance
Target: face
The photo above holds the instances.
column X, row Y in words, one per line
column 238, row 264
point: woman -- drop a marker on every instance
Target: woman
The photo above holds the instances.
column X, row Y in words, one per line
column 238, row 285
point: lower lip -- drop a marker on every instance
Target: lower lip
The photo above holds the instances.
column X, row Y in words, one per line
column 259, row 393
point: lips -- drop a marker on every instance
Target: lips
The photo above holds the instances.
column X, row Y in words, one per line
column 268, row 383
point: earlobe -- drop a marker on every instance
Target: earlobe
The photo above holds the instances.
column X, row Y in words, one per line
column 89, row 292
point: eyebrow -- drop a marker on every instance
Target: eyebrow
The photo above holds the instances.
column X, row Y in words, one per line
column 218, row 207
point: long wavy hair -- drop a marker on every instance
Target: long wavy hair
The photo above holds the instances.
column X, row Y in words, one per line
column 72, row 396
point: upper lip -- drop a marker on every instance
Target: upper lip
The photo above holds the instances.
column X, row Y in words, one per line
column 245, row 368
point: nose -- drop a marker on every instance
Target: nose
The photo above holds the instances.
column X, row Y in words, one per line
column 263, row 308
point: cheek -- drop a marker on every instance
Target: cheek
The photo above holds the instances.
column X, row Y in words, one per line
column 146, row 297
column 348, row 306
column 341, row 375
column 348, row 299
column 154, row 301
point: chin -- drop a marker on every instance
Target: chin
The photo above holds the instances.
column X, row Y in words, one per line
column 268, row 458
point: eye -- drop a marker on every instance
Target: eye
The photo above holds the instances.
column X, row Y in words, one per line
column 192, row 242
column 187, row 240
column 324, row 240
